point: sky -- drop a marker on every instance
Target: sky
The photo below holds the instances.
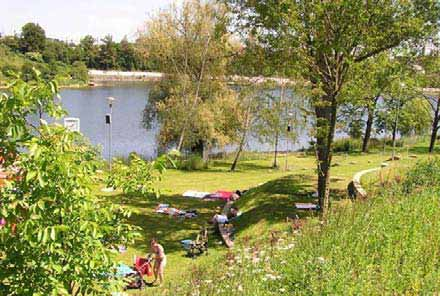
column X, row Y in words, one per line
column 71, row 20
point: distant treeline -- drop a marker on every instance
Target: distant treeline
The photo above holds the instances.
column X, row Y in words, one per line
column 104, row 54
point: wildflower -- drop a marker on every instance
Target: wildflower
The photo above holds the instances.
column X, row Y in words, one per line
column 282, row 290
column 321, row 260
column 240, row 288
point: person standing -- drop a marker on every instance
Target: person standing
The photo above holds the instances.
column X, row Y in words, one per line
column 160, row 261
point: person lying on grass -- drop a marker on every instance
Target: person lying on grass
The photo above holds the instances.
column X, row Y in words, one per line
column 160, row 261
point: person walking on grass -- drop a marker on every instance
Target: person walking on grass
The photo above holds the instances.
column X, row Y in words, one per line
column 160, row 261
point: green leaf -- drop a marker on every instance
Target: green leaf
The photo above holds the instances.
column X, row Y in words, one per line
column 53, row 234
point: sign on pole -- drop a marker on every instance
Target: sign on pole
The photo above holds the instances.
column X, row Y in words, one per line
column 72, row 124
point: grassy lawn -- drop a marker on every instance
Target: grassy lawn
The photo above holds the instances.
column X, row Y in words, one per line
column 265, row 207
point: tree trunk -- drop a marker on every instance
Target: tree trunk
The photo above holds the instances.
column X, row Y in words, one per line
column 237, row 156
column 435, row 126
column 275, row 158
column 394, row 139
column 180, row 145
column 368, row 128
column 205, row 152
column 325, row 123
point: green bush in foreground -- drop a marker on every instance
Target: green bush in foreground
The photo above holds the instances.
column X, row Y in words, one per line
column 387, row 245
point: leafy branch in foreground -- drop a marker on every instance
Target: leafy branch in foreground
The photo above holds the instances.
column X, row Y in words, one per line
column 139, row 176
column 58, row 235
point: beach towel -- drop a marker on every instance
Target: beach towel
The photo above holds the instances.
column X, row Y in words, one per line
column 167, row 210
column 306, row 206
column 195, row 194
column 123, row 270
column 222, row 195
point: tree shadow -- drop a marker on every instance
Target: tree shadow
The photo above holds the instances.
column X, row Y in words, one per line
column 169, row 230
column 275, row 200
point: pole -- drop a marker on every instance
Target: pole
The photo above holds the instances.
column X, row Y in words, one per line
column 384, row 135
column 110, row 139
column 395, row 131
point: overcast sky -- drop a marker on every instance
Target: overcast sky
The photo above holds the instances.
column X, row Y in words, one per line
column 70, row 20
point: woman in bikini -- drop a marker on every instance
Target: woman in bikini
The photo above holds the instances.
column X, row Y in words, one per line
column 160, row 261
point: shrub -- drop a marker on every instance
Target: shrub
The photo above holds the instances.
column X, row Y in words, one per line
column 424, row 174
column 79, row 71
column 192, row 163
column 347, row 145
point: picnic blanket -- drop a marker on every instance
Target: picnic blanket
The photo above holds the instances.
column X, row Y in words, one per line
column 222, row 195
column 123, row 270
column 306, row 206
column 167, row 210
column 195, row 194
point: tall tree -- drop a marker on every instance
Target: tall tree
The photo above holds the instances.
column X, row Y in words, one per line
column 430, row 82
column 33, row 38
column 325, row 38
column 107, row 57
column 191, row 45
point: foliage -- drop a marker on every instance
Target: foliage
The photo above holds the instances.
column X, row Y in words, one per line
column 25, row 100
column 32, row 46
column 192, row 46
column 79, row 71
column 324, row 39
column 58, row 235
column 375, row 247
column 192, row 163
column 138, row 176
column 425, row 174
column 33, row 38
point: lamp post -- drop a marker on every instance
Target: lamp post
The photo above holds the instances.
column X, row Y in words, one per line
column 110, row 101
column 289, row 129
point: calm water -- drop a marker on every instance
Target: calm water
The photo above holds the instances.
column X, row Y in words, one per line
column 90, row 106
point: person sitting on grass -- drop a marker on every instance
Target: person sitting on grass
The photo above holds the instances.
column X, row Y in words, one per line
column 160, row 261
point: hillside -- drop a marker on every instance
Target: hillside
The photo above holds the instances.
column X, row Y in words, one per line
column 385, row 245
column 66, row 75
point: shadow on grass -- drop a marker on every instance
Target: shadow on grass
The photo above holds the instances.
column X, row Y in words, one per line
column 274, row 201
column 242, row 166
column 167, row 229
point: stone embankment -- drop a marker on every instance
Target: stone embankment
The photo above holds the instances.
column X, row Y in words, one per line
column 355, row 189
column 100, row 75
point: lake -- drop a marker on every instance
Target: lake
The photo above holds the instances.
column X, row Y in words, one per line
column 128, row 135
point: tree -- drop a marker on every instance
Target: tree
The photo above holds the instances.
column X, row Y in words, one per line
column 369, row 80
column 107, row 57
column 126, row 55
column 58, row 234
column 430, row 81
column 33, row 38
column 325, row 38
column 249, row 105
column 79, row 71
column 193, row 103
column 89, row 51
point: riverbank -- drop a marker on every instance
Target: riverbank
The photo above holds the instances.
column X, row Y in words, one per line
column 100, row 76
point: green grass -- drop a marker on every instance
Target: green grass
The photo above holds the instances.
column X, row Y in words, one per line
column 265, row 207
column 387, row 245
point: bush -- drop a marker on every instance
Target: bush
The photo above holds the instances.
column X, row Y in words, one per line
column 424, row 174
column 79, row 71
column 347, row 145
column 192, row 163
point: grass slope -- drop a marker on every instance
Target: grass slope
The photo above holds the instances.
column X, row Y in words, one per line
column 265, row 208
